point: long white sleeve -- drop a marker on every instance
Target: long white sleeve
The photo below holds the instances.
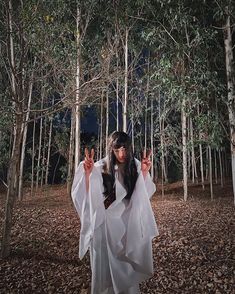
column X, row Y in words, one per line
column 89, row 205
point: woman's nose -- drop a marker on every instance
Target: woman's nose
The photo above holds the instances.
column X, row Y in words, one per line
column 121, row 153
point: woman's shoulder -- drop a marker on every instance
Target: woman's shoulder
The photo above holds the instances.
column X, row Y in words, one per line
column 100, row 163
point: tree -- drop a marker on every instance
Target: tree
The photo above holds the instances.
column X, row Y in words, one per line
column 230, row 85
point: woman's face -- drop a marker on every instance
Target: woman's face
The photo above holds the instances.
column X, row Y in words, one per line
column 120, row 154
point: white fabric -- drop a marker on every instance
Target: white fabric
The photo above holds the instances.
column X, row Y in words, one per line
column 120, row 237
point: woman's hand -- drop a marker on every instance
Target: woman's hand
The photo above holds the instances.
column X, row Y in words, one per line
column 88, row 161
column 146, row 162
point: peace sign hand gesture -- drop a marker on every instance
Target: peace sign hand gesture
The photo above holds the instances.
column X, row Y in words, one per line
column 89, row 161
column 146, row 162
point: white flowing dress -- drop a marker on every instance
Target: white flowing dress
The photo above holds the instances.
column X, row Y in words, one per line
column 119, row 238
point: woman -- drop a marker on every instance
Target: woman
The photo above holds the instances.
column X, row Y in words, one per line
column 117, row 221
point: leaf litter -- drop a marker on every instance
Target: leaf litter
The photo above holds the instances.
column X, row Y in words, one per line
column 194, row 253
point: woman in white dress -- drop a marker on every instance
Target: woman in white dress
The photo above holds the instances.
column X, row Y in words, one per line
column 111, row 197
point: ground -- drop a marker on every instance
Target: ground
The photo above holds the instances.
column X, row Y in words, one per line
column 194, row 253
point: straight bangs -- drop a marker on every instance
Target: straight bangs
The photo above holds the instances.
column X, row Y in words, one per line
column 120, row 140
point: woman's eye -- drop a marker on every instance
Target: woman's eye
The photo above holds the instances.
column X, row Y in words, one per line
column 120, row 149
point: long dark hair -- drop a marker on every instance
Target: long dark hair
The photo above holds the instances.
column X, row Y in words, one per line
column 116, row 141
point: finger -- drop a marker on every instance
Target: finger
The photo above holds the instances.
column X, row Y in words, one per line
column 149, row 153
column 87, row 153
column 144, row 153
column 92, row 153
column 85, row 166
column 145, row 161
column 87, row 161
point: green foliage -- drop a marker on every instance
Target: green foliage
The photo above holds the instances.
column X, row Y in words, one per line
column 175, row 53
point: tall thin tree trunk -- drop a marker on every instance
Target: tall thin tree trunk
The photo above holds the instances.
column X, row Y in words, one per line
column 151, row 139
column 194, row 165
column 162, row 146
column 192, row 150
column 126, row 84
column 44, row 152
column 210, row 172
column 98, row 141
column 161, row 126
column 201, row 156
column 71, row 153
column 221, row 169
column 184, row 143
column 145, row 122
column 33, row 156
column 48, row 151
column 189, row 151
column 201, row 167
column 101, row 124
column 231, row 89
column 39, row 145
column 215, row 167
column 25, row 128
column 107, row 121
column 162, row 155
column 117, row 95
column 146, row 107
column 132, row 127
column 77, row 94
column 207, row 164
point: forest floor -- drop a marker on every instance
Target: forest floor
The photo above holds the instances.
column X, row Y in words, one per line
column 194, row 253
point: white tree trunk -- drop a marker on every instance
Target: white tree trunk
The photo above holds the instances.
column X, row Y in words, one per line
column 221, row 169
column 48, row 151
column 194, row 165
column 192, row 150
column 210, row 173
column 152, row 139
column 184, row 142
column 117, row 95
column 71, row 154
column 189, row 151
column 201, row 157
column 201, row 167
column 162, row 146
column 126, row 84
column 101, row 125
column 77, row 94
column 33, row 156
column 207, row 163
column 132, row 127
column 215, row 167
column 231, row 89
column 39, row 145
column 145, row 122
column 25, row 128
column 44, row 152
column 12, row 54
column 146, row 108
column 161, row 127
column 107, row 121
